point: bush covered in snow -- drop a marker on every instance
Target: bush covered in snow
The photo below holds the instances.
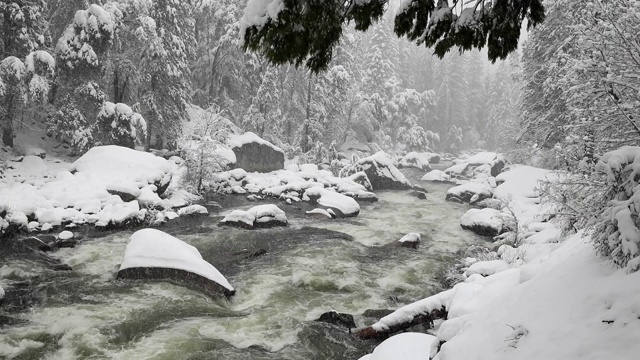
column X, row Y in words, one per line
column 119, row 125
column 616, row 230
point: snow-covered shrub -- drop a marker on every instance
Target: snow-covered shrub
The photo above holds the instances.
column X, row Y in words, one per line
column 68, row 125
column 119, row 125
column 203, row 151
column 616, row 229
column 416, row 138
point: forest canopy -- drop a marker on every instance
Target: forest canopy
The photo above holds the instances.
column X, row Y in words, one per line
column 308, row 32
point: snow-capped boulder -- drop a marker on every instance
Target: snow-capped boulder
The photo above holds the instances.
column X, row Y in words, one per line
column 262, row 216
column 486, row 222
column 255, row 154
column 362, row 179
column 410, row 240
column 1, row 293
column 436, row 175
column 471, row 192
column 127, row 190
column 35, row 151
column 110, row 164
column 418, row 160
column 65, row 235
column 457, row 170
column 341, row 205
column 321, row 214
column 381, row 172
column 193, row 210
column 154, row 255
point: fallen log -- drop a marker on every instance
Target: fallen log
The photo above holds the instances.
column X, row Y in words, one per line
column 370, row 332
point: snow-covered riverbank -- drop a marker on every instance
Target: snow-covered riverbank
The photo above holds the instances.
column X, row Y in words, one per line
column 551, row 297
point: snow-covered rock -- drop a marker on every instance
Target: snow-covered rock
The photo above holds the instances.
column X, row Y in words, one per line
column 418, row 160
column 154, row 255
column 321, row 213
column 457, row 170
column 436, row 175
column 109, row 164
column 486, row 222
column 471, row 192
column 410, row 240
column 267, row 215
column 193, row 210
column 65, row 235
column 382, row 174
column 256, row 154
column 127, row 190
column 341, row 205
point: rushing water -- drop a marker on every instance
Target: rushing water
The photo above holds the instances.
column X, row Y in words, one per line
column 310, row 267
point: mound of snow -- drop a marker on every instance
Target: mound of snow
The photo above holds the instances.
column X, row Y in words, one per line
column 406, row 346
column 418, row 160
column 154, row 249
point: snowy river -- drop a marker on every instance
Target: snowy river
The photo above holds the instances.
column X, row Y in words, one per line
column 311, row 267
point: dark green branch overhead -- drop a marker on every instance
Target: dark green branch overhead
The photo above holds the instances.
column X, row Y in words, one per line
column 305, row 32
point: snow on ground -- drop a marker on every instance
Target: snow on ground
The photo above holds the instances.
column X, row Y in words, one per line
column 151, row 248
column 109, row 185
column 405, row 346
column 549, row 298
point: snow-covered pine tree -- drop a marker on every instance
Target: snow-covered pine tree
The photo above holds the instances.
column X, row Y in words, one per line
column 22, row 30
column 117, row 124
column 166, row 33
column 80, row 53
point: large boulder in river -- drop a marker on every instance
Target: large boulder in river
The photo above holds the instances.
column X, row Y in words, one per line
column 381, row 172
column 154, row 255
column 255, row 154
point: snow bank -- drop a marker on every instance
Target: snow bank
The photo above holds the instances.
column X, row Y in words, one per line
column 405, row 346
column 151, row 248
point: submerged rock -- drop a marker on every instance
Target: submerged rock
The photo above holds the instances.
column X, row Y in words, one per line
column 154, row 255
column 336, row 318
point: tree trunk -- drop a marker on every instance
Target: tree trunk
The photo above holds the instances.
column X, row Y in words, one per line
column 153, row 115
column 7, row 130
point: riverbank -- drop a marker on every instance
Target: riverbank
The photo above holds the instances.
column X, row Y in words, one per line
column 554, row 299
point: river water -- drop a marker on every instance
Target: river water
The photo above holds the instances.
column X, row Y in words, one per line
column 311, row 267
